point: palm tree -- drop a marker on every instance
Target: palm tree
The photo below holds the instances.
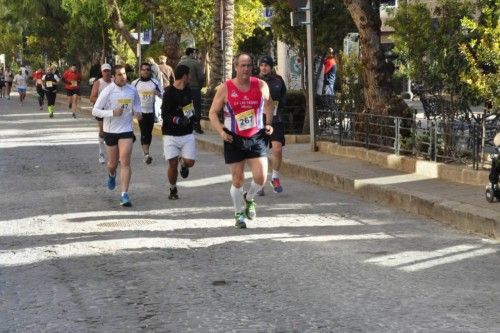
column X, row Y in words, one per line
column 222, row 51
column 216, row 57
column 228, row 37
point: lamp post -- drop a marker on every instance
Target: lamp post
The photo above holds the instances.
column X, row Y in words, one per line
column 297, row 18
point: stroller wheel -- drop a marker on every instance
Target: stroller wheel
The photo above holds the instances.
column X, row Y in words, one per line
column 490, row 197
column 497, row 193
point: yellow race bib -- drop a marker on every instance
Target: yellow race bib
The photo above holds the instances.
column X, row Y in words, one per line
column 246, row 120
column 188, row 110
column 125, row 104
column 74, row 83
column 49, row 84
column 147, row 94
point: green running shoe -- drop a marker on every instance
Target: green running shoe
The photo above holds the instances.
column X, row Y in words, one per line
column 240, row 220
column 250, row 211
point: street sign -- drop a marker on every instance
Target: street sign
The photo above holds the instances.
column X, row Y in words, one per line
column 298, row 18
column 300, row 9
column 268, row 13
column 298, row 4
column 145, row 36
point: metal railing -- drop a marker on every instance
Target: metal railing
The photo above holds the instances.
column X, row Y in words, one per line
column 441, row 141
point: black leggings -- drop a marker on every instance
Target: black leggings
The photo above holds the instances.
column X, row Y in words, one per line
column 41, row 94
column 146, row 124
column 51, row 97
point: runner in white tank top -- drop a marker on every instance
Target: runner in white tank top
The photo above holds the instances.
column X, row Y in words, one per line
column 97, row 87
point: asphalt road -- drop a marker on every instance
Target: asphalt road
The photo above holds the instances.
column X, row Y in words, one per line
column 73, row 260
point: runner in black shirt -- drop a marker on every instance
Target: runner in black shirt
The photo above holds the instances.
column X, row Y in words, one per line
column 179, row 145
column 277, row 90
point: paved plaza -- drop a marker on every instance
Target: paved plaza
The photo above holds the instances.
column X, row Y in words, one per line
column 315, row 260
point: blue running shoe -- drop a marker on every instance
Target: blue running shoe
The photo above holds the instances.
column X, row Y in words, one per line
column 111, row 182
column 125, row 200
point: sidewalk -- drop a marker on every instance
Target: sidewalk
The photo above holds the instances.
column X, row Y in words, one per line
column 459, row 205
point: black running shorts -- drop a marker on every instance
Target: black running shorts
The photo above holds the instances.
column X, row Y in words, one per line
column 111, row 139
column 244, row 148
column 71, row 92
column 278, row 133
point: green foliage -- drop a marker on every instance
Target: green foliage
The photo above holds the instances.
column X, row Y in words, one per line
column 43, row 20
column 153, row 51
column 280, row 24
column 189, row 17
column 258, row 43
column 55, row 28
column 427, row 44
column 482, row 52
column 10, row 42
column 121, row 48
column 413, row 25
column 351, row 99
column 248, row 17
column 331, row 23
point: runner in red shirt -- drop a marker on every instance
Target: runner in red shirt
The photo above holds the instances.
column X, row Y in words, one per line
column 72, row 78
column 244, row 100
column 37, row 77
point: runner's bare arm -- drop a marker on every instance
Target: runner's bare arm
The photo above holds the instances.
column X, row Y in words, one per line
column 93, row 93
column 213, row 114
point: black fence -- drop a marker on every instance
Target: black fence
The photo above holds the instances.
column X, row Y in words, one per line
column 441, row 141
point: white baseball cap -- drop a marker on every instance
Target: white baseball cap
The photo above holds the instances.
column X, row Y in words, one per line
column 105, row 66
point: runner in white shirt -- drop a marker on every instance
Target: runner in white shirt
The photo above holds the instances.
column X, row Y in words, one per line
column 20, row 81
column 148, row 88
column 118, row 103
column 97, row 87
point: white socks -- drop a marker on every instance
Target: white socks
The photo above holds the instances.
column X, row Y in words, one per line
column 236, row 194
column 254, row 188
column 275, row 174
column 102, row 146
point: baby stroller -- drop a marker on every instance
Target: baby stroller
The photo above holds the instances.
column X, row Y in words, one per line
column 493, row 189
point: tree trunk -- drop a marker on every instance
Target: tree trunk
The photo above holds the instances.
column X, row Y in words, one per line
column 216, row 57
column 377, row 75
column 119, row 25
column 172, row 45
column 228, row 38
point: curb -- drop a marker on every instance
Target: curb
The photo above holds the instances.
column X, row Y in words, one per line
column 462, row 216
column 459, row 215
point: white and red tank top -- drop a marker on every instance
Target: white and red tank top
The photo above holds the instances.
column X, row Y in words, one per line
column 103, row 84
column 243, row 112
